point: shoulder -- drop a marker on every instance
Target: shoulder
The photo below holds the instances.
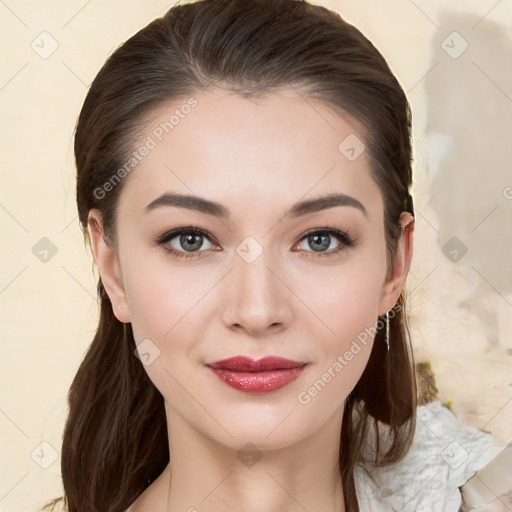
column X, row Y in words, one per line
column 444, row 455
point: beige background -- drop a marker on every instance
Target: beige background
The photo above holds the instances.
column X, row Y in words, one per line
column 461, row 304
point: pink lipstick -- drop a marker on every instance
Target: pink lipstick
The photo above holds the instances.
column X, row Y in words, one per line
column 257, row 376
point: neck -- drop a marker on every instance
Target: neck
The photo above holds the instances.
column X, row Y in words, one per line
column 207, row 476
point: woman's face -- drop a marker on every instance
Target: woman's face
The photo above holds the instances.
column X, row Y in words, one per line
column 253, row 283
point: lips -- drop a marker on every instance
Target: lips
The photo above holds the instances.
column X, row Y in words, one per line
column 245, row 364
column 257, row 376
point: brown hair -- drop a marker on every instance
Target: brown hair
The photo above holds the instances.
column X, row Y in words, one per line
column 115, row 439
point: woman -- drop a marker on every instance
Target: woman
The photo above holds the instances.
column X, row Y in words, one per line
column 243, row 180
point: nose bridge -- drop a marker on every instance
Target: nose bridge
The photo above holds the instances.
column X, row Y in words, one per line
column 258, row 298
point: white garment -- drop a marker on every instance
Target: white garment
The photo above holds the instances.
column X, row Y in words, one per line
column 444, row 455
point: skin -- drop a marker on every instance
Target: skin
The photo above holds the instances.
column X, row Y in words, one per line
column 257, row 157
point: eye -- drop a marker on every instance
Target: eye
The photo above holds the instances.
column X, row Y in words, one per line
column 184, row 242
column 326, row 241
column 189, row 242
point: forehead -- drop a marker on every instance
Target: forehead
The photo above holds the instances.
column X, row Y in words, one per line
column 278, row 147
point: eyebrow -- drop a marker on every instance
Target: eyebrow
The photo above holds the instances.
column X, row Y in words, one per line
column 191, row 202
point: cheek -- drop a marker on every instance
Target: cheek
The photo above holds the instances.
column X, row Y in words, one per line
column 166, row 304
column 347, row 304
column 343, row 304
column 344, row 299
column 160, row 314
column 162, row 299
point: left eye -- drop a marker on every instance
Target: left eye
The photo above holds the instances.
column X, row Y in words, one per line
column 324, row 241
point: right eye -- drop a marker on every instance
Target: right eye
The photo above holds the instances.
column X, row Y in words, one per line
column 184, row 242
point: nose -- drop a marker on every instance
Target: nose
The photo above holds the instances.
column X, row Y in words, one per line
column 257, row 299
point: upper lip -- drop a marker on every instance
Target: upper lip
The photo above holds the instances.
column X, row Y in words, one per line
column 246, row 364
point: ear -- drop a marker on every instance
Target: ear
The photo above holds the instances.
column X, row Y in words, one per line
column 108, row 265
column 399, row 268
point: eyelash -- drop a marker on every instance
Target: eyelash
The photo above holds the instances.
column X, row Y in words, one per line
column 345, row 239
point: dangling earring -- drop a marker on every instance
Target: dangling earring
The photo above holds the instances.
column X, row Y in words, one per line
column 387, row 329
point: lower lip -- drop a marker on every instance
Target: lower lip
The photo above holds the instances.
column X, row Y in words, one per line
column 258, row 382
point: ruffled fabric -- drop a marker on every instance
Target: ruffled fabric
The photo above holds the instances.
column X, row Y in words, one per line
column 444, row 455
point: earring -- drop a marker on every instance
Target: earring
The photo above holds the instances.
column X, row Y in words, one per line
column 387, row 329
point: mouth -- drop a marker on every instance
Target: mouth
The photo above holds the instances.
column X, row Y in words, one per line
column 257, row 376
